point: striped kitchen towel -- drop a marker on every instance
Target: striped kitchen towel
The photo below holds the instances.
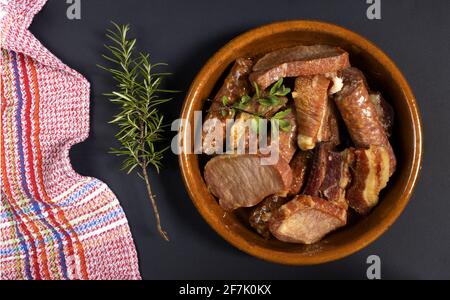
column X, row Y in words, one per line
column 54, row 223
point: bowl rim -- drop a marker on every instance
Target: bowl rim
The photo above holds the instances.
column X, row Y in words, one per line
column 403, row 199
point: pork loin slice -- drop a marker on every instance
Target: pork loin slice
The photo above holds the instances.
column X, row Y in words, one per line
column 242, row 181
column 261, row 214
column 235, row 86
column 307, row 219
column 370, row 174
column 298, row 61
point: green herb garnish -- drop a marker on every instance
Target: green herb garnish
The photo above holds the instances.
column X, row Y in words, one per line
column 255, row 123
column 225, row 100
column 270, row 101
column 257, row 91
column 282, row 114
column 245, row 100
column 278, row 89
column 140, row 123
column 283, row 124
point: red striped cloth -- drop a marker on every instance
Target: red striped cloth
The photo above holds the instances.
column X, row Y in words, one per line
column 54, row 223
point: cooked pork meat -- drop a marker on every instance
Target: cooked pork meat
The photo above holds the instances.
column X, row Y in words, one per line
column 306, row 219
column 261, row 214
column 298, row 61
column 288, row 135
column 360, row 114
column 243, row 134
column 311, row 103
column 329, row 175
column 246, row 123
column 370, row 174
column 385, row 112
column 332, row 131
column 243, row 181
column 244, row 137
column 300, row 165
column 235, row 86
column 302, row 182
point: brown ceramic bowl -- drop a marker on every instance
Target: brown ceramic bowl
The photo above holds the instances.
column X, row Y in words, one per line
column 382, row 74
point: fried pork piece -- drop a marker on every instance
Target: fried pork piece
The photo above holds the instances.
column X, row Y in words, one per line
column 242, row 132
column 307, row 219
column 300, row 165
column 261, row 214
column 385, row 112
column 235, row 86
column 330, row 131
column 311, row 103
column 370, row 174
column 246, row 122
column 298, row 61
column 287, row 145
column 243, row 181
column 330, row 174
column 243, row 135
column 360, row 114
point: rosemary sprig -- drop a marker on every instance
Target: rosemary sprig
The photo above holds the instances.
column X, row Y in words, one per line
column 272, row 98
column 140, row 123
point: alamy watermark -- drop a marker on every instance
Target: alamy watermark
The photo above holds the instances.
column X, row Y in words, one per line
column 374, row 10
column 256, row 136
column 73, row 10
column 374, row 269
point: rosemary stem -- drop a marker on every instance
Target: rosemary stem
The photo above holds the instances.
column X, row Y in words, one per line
column 153, row 201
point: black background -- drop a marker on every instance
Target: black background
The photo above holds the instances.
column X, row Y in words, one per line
column 415, row 34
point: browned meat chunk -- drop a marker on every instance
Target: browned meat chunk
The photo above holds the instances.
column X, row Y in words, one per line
column 243, row 181
column 285, row 143
column 300, row 165
column 331, row 130
column 235, row 86
column 385, row 112
column 298, row 61
column 360, row 114
column 311, row 103
column 287, row 134
column 243, row 133
column 246, row 123
column 329, row 175
column 260, row 215
column 370, row 175
column 244, row 137
column 307, row 220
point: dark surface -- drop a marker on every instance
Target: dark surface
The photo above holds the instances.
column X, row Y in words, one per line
column 415, row 34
